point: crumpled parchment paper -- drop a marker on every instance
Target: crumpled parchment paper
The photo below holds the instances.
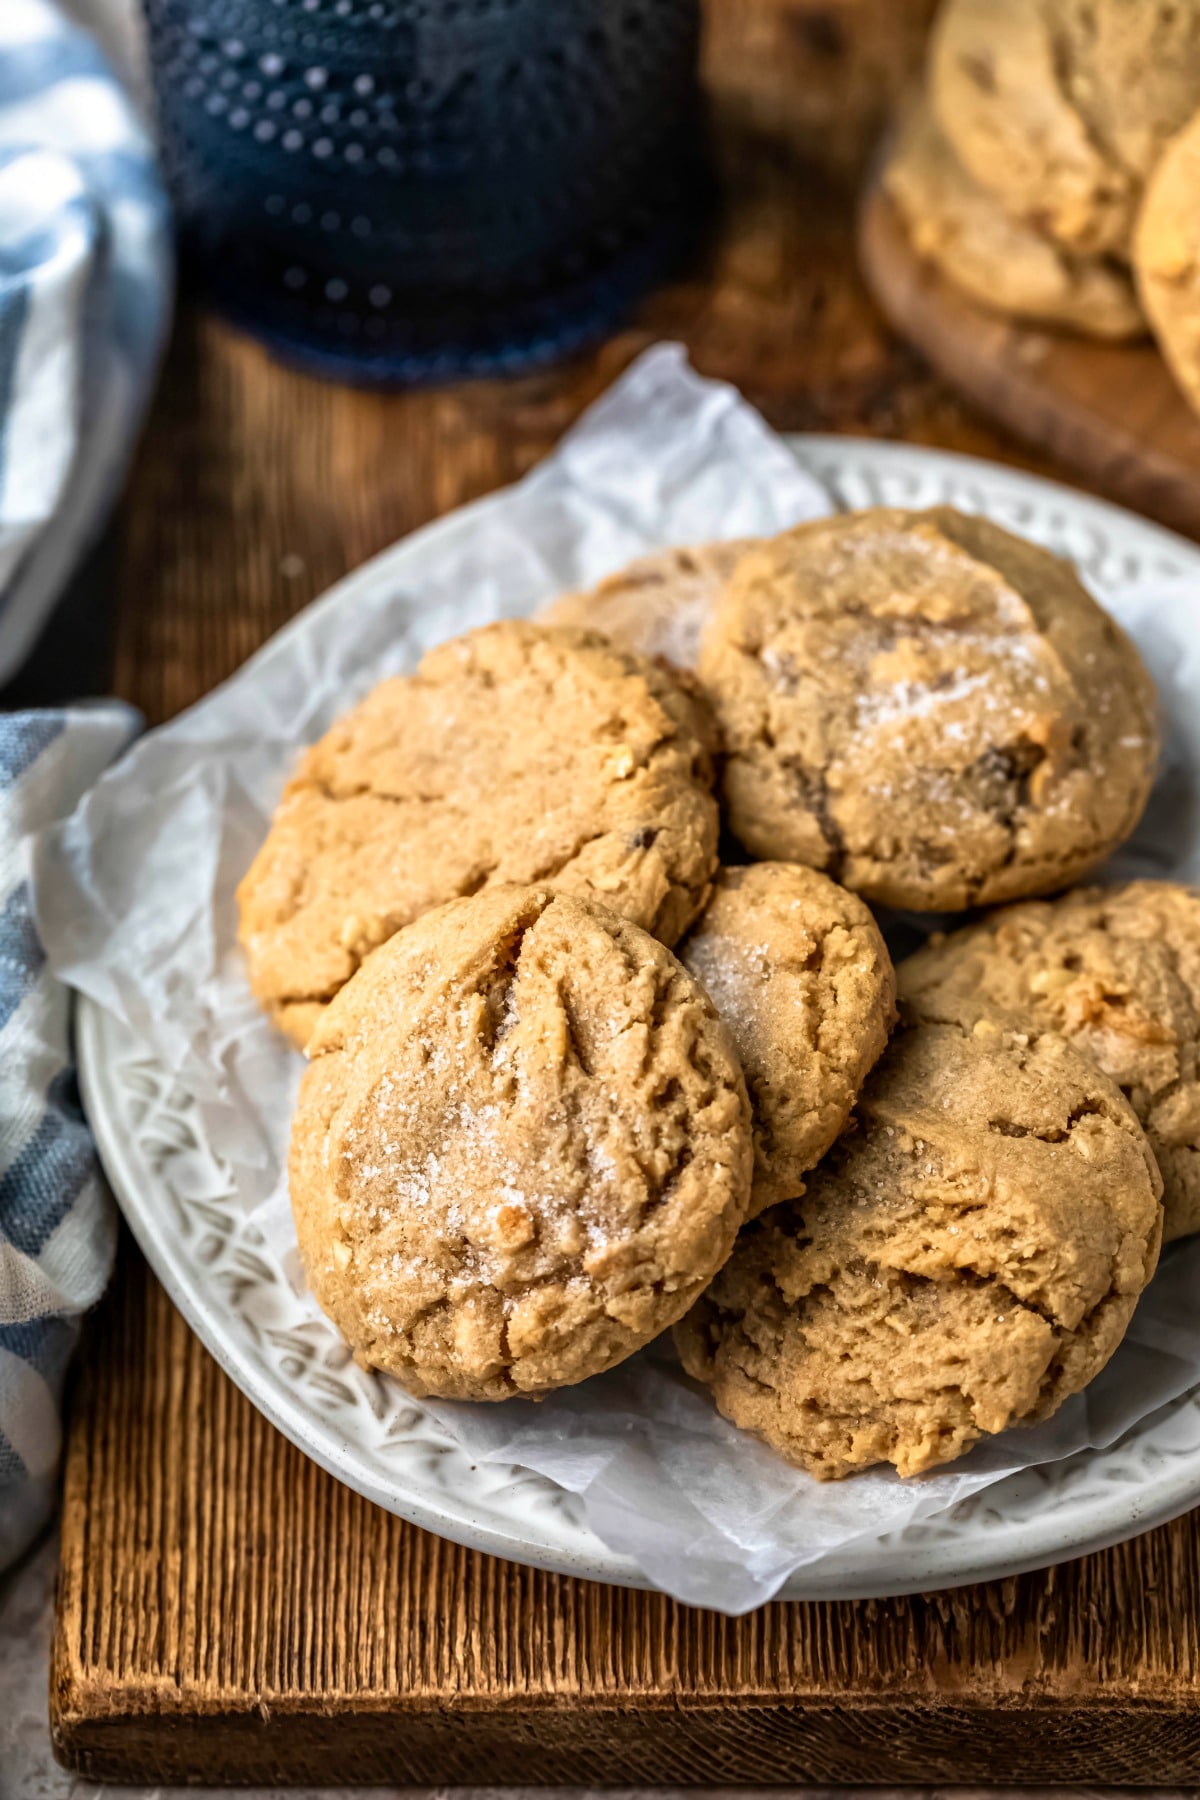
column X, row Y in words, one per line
column 135, row 902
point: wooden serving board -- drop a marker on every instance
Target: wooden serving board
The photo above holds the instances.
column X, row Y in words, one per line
column 1110, row 411
column 228, row 1612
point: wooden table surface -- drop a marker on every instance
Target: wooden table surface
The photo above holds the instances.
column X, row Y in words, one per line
column 210, row 1573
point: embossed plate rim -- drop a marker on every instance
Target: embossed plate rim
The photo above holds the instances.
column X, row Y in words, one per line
column 525, row 1518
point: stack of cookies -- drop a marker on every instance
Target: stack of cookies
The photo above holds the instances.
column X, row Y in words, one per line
column 1052, row 167
column 575, row 926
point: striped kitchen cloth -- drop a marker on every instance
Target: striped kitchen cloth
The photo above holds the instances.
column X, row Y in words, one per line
column 85, row 288
column 57, row 1222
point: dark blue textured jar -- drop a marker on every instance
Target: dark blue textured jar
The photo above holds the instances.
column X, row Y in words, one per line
column 404, row 190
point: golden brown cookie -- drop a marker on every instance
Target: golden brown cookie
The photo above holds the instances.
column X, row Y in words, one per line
column 799, row 972
column 931, row 710
column 963, row 1262
column 1003, row 264
column 1132, row 70
column 519, row 752
column 1117, row 971
column 1166, row 258
column 657, row 607
column 996, row 86
column 521, row 1148
column 1062, row 107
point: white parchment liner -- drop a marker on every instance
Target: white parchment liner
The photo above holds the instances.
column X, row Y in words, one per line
column 135, row 902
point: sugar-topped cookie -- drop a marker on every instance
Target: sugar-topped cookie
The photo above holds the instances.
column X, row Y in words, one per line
column 521, row 1148
column 931, row 710
column 799, row 972
column 520, row 753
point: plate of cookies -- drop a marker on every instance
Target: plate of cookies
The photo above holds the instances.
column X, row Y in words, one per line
column 654, row 1031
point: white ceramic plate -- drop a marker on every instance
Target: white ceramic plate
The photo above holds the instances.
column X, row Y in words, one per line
column 361, row 1426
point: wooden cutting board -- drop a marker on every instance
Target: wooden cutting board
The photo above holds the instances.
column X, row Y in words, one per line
column 1109, row 411
column 229, row 1613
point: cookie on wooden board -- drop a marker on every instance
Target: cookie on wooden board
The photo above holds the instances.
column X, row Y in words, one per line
column 1061, row 108
column 1132, row 68
column 996, row 86
column 1166, row 258
column 1006, row 265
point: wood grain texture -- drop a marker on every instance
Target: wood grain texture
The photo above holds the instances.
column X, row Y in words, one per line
column 1110, row 411
column 227, row 1612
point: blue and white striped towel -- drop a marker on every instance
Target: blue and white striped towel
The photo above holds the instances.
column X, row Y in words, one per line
column 85, row 287
column 57, row 1226
column 85, row 281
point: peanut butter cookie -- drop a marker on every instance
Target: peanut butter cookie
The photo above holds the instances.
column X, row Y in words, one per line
column 1115, row 970
column 996, row 85
column 963, row 1262
column 799, row 972
column 516, row 753
column 1132, row 70
column 521, row 1148
column 999, row 262
column 931, row 710
column 658, row 606
column 1166, row 258
column 1061, row 108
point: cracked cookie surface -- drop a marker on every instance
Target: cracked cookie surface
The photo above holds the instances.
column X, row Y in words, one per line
column 1006, row 265
column 659, row 604
column 963, row 1262
column 1115, row 970
column 931, row 710
column 517, row 753
column 799, row 972
column 1061, row 108
column 1132, row 70
column 521, row 1149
